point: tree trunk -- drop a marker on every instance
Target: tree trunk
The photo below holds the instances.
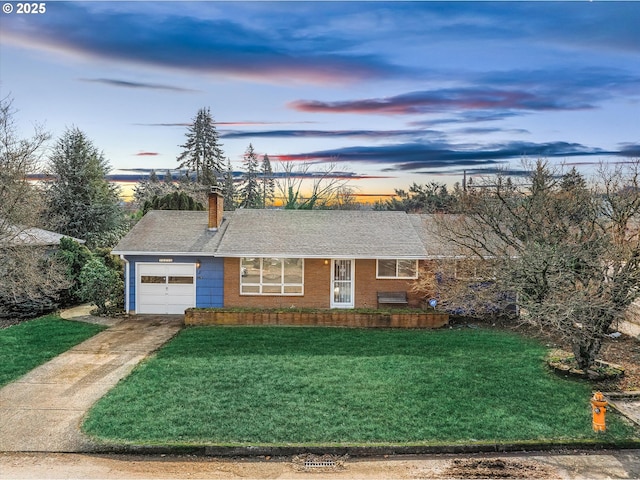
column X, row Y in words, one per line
column 585, row 351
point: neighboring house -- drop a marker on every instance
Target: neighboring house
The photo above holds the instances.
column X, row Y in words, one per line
column 34, row 237
column 270, row 258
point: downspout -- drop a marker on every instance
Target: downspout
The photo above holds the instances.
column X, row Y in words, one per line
column 126, row 282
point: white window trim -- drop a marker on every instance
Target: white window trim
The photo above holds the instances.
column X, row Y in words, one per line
column 474, row 277
column 262, row 284
column 415, row 275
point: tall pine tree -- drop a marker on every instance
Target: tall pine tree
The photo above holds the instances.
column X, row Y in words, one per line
column 202, row 153
column 250, row 191
column 229, row 188
column 267, row 184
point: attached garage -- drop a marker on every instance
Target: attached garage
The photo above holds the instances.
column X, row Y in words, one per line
column 170, row 263
column 165, row 288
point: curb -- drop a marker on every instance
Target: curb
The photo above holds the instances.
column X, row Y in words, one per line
column 354, row 451
column 617, row 399
column 630, row 395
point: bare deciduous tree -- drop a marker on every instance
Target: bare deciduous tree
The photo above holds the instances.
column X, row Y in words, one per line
column 566, row 253
column 301, row 187
column 19, row 157
column 30, row 280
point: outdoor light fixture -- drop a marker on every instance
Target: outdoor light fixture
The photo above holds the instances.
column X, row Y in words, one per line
column 198, row 263
column 326, row 262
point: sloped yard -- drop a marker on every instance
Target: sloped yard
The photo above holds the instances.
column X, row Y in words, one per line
column 332, row 386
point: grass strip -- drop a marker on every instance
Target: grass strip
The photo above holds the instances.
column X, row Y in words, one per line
column 333, row 386
column 28, row 344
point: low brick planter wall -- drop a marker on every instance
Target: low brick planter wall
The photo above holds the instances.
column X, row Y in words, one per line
column 328, row 318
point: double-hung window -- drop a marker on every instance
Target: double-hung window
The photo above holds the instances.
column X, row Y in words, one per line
column 271, row 276
column 397, row 268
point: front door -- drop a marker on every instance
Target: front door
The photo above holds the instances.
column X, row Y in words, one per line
column 342, row 283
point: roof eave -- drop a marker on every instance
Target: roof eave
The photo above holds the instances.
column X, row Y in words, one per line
column 297, row 255
column 156, row 253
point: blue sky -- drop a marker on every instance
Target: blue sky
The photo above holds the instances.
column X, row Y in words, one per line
column 394, row 92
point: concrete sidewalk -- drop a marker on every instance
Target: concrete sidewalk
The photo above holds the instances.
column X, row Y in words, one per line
column 42, row 411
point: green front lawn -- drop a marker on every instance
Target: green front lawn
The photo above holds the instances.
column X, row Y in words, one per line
column 29, row 344
column 279, row 386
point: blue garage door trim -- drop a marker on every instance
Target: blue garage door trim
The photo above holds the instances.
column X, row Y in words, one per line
column 209, row 278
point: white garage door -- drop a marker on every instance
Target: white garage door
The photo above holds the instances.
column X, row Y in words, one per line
column 165, row 288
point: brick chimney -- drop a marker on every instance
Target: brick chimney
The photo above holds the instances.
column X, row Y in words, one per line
column 216, row 207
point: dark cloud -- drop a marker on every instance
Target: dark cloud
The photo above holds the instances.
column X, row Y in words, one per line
column 331, row 133
column 487, row 131
column 138, row 85
column 496, row 95
column 420, row 156
column 311, row 174
column 146, row 154
column 435, row 101
column 194, row 43
column 473, row 172
column 630, row 150
column 570, row 26
column 236, row 123
column 466, row 117
column 316, row 41
column 187, row 124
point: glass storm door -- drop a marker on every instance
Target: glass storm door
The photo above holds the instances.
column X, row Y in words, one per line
column 342, row 283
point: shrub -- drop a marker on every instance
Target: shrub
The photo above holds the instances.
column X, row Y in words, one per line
column 73, row 256
column 102, row 286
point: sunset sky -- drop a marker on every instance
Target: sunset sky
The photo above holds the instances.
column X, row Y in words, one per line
column 393, row 92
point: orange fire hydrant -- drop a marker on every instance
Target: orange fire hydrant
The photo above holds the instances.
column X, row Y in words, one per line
column 599, row 409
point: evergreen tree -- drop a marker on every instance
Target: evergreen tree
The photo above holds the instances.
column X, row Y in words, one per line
column 73, row 256
column 250, row 190
column 147, row 189
column 168, row 177
column 80, row 200
column 202, row 151
column 229, row 188
column 428, row 198
column 172, row 201
column 267, row 183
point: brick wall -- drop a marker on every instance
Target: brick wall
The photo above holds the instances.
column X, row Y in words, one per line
column 317, row 287
column 326, row 318
column 368, row 286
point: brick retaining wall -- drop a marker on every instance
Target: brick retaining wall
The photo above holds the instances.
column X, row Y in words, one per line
column 328, row 318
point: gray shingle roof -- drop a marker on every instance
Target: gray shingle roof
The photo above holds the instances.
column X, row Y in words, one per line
column 291, row 233
column 321, row 233
column 35, row 237
column 434, row 229
column 427, row 229
column 172, row 232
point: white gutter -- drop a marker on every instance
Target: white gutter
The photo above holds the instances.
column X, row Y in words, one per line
column 327, row 255
column 173, row 254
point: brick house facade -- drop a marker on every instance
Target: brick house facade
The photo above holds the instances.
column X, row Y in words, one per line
column 271, row 258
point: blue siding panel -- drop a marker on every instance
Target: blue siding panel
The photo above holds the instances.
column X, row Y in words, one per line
column 209, row 278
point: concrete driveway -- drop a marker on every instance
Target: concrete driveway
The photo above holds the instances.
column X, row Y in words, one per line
column 42, row 411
